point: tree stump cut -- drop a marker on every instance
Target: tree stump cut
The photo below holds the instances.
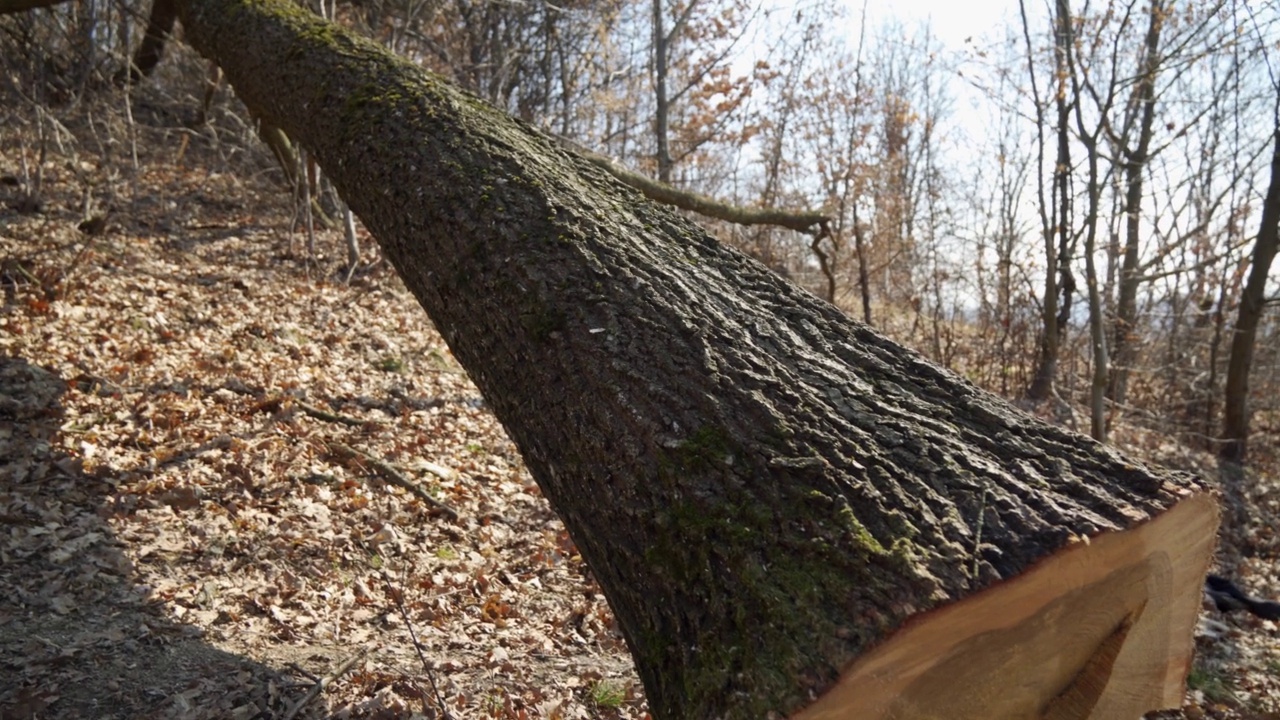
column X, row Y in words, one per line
column 1098, row 630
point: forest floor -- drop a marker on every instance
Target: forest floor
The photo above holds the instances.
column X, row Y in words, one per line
column 234, row 486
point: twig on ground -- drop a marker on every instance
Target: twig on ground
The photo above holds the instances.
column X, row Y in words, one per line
column 25, row 273
column 393, row 475
column 439, row 471
column 221, row 442
column 303, row 671
column 333, row 417
column 325, row 681
column 397, row 597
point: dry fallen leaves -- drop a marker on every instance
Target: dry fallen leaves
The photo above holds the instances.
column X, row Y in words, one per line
column 183, row 536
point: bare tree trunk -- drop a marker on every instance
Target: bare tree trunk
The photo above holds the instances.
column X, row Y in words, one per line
column 864, row 273
column 766, row 490
column 1135, row 164
column 662, row 104
column 1059, row 283
column 1100, row 358
column 853, row 185
column 164, row 13
column 353, row 242
column 1097, row 314
column 1235, row 432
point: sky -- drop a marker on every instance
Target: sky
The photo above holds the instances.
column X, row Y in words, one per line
column 952, row 21
column 962, row 28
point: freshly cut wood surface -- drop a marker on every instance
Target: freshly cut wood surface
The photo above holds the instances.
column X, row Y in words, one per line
column 1100, row 630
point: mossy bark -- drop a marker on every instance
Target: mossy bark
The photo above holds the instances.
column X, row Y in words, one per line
column 763, row 487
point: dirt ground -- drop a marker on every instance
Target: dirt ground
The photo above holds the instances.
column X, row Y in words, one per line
column 234, row 486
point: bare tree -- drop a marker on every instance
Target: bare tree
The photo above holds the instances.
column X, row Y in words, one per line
column 1090, row 135
column 697, row 96
column 1054, row 209
column 996, row 196
column 839, row 137
column 1244, row 335
column 1134, row 158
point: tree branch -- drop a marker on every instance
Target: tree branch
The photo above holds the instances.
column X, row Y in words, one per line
column 805, row 221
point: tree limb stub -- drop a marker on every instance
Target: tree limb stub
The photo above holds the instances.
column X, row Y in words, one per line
column 773, row 497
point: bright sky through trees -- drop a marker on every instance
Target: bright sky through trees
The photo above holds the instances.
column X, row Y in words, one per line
column 951, row 21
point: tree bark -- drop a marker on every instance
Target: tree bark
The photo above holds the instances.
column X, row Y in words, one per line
column 765, row 489
column 1235, row 410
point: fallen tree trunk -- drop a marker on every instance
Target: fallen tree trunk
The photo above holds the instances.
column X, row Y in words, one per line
column 790, row 514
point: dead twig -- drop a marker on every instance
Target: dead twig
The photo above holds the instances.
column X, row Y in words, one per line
column 333, row 417
column 439, row 471
column 325, row 681
column 305, row 672
column 393, row 475
column 397, row 596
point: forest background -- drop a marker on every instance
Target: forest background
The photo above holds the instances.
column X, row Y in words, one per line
column 1065, row 209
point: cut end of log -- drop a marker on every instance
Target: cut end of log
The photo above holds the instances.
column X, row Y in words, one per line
column 1099, row 630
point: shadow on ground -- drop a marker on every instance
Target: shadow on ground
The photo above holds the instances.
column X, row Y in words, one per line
column 79, row 637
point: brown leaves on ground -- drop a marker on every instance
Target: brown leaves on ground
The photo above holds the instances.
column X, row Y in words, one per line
column 183, row 537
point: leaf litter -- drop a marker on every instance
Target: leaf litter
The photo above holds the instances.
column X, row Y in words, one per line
column 234, row 487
